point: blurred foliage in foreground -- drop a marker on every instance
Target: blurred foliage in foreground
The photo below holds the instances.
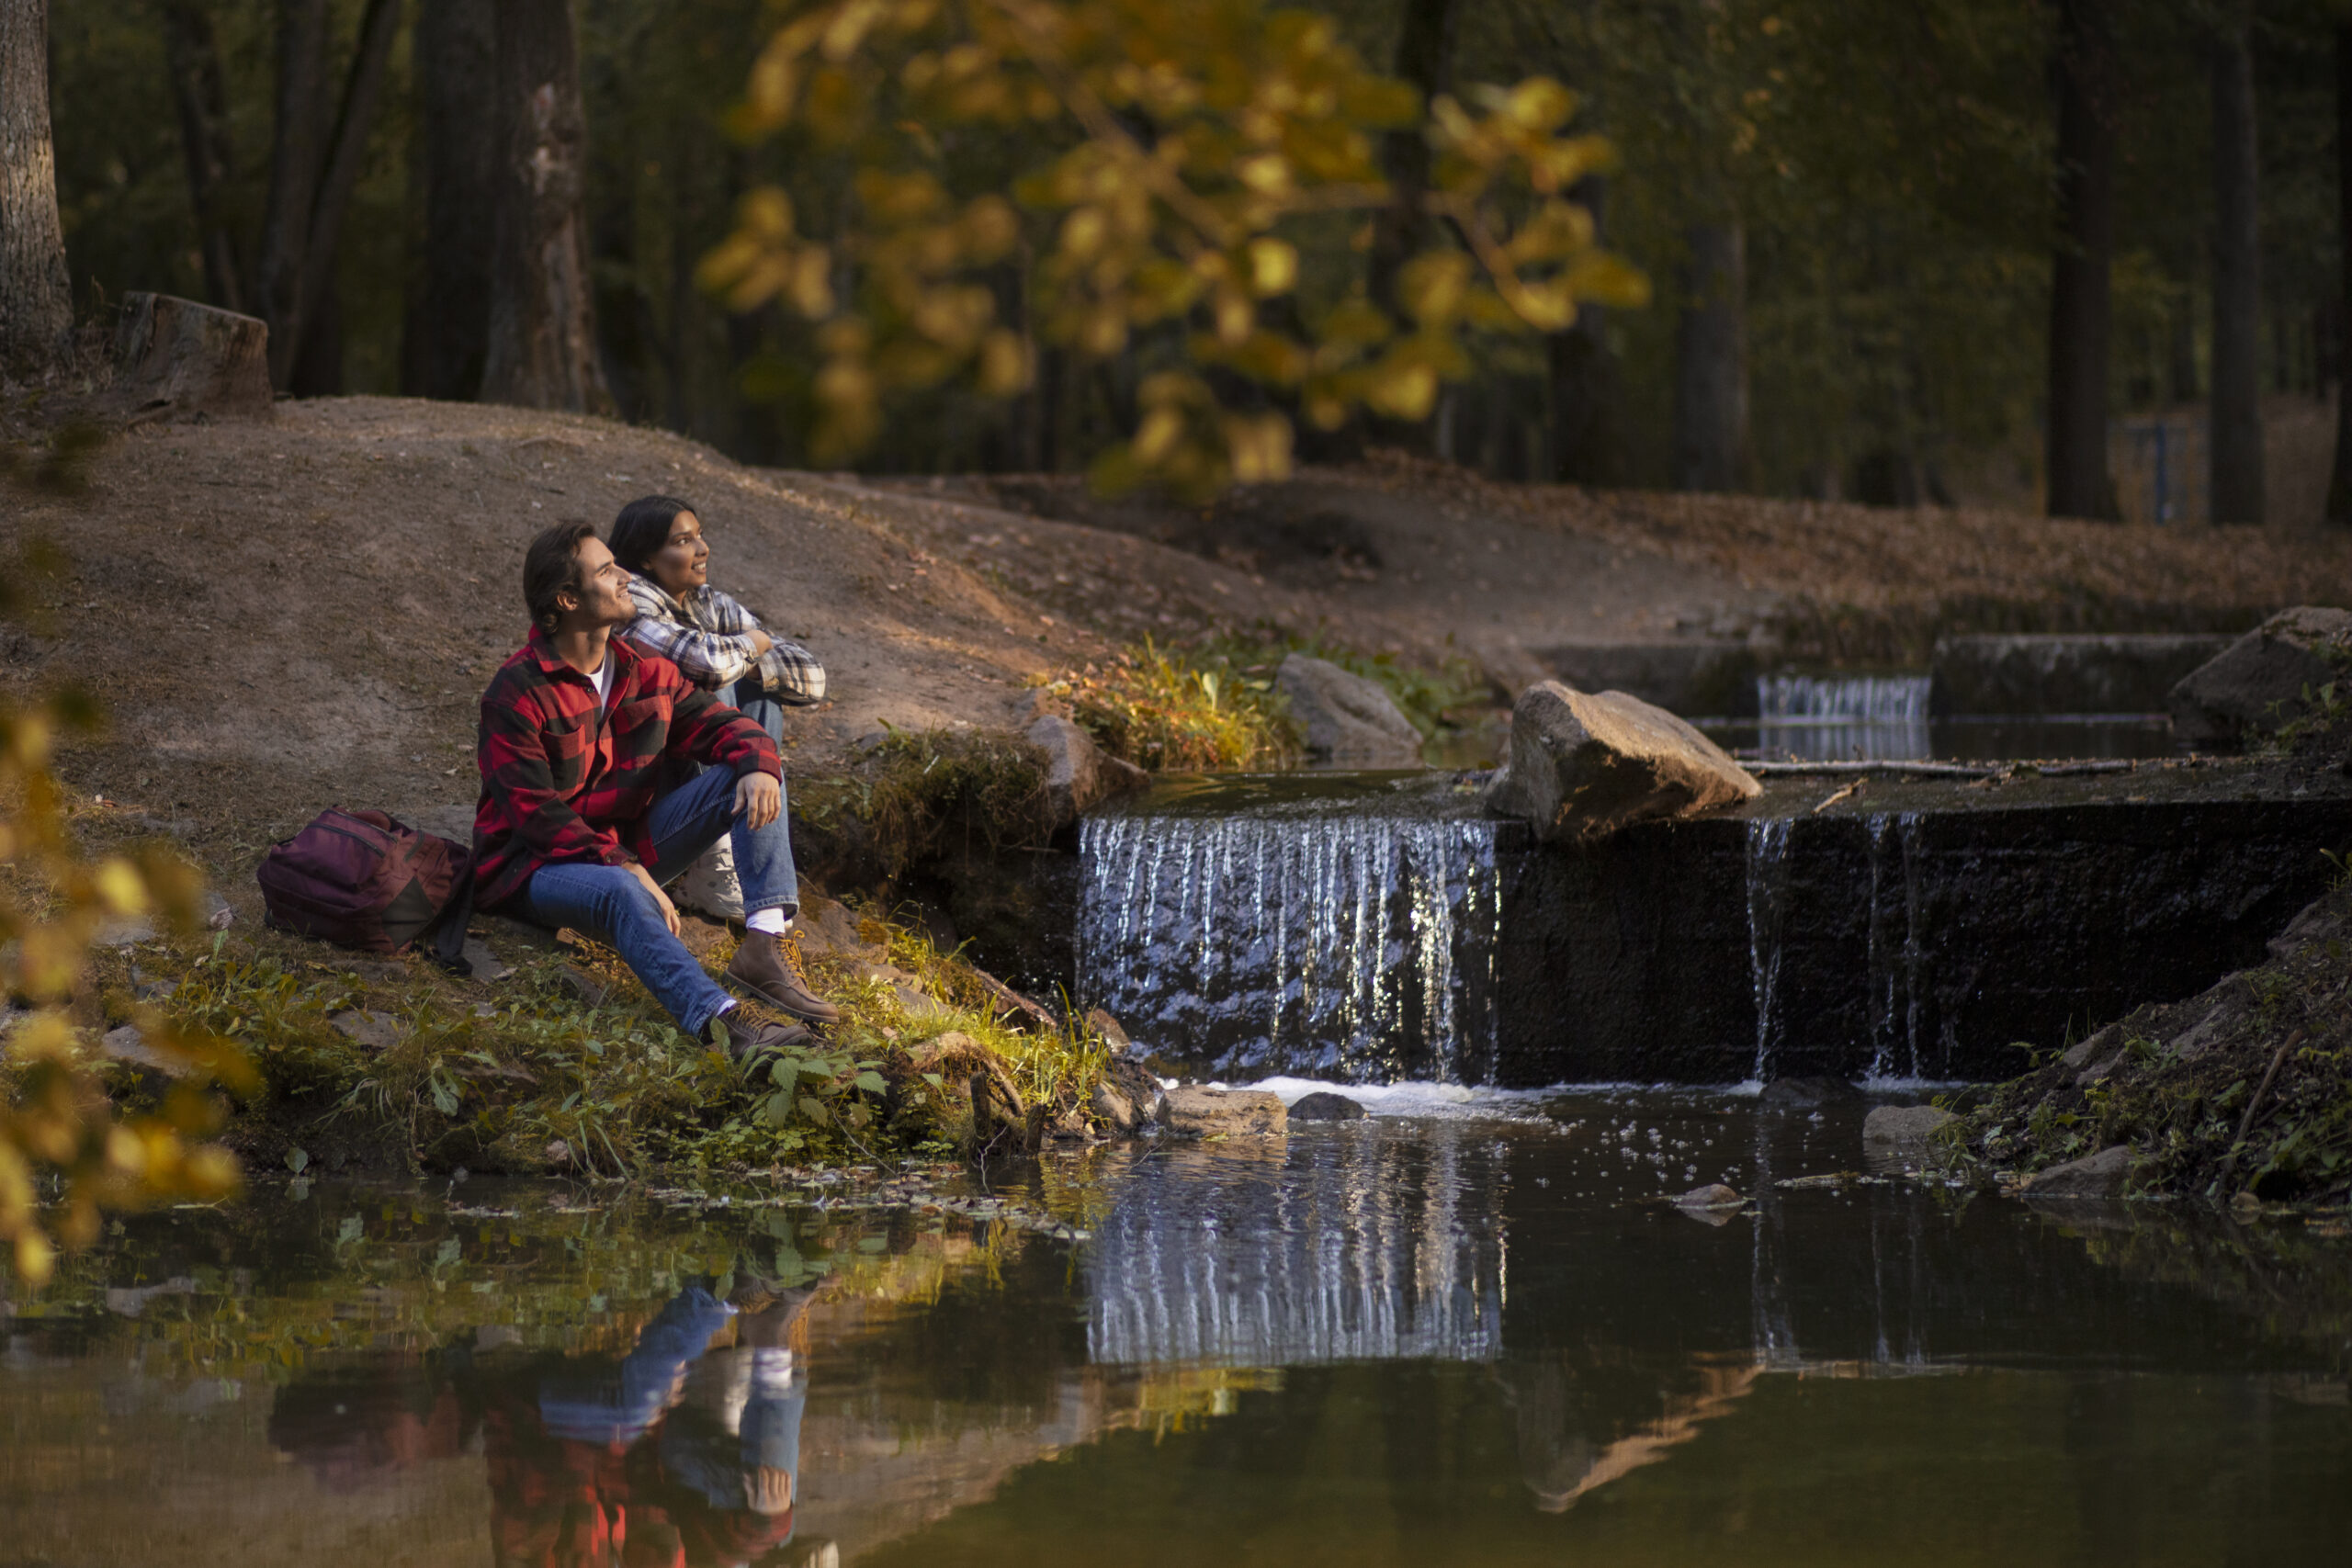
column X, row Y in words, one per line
column 1167, row 159
column 59, row 1133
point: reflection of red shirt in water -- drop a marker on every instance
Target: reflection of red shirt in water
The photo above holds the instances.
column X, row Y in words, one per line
column 563, row 1502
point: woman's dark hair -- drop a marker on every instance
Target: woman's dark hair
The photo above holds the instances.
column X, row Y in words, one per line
column 642, row 528
column 551, row 566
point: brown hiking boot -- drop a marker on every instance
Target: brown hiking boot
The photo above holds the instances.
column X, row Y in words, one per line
column 768, row 966
column 752, row 1033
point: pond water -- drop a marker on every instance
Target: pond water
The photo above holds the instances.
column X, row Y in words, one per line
column 1473, row 1336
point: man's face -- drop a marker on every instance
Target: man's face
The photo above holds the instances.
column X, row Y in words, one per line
column 603, row 595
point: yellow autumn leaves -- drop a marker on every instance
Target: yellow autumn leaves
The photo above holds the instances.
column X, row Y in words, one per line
column 1198, row 172
column 67, row 1155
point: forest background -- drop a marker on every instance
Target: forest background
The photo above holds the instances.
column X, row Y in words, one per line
column 1851, row 213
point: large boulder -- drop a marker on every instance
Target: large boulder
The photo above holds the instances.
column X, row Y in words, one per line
column 2256, row 683
column 1079, row 774
column 1584, row 764
column 1348, row 719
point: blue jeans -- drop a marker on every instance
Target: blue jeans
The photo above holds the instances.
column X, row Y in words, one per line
column 608, row 903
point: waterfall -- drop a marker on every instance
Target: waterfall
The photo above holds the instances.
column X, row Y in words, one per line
column 1896, row 963
column 1339, row 942
column 1334, row 1250
column 1768, row 882
column 1879, row 716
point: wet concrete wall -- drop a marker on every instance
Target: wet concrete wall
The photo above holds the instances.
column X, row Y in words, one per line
column 1923, row 943
column 1920, row 944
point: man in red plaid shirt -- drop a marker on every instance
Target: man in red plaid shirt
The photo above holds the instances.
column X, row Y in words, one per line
column 570, row 830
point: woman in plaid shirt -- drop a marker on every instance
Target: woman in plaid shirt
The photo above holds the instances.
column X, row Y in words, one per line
column 715, row 642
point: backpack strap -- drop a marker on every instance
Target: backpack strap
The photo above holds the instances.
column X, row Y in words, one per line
column 450, row 928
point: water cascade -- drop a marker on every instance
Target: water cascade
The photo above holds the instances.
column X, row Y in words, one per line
column 1768, row 885
column 1879, row 716
column 1897, row 953
column 1349, row 940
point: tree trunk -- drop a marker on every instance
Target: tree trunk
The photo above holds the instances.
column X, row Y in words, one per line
column 297, row 153
column 319, row 144
column 203, row 99
column 2340, row 486
column 2084, row 71
column 542, row 337
column 1401, row 230
column 446, row 336
column 2236, row 439
column 1711, row 362
column 36, row 293
column 176, row 359
column 1424, row 58
column 1587, row 386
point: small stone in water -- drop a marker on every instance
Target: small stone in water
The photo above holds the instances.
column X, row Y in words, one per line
column 1324, row 1106
column 1714, row 1196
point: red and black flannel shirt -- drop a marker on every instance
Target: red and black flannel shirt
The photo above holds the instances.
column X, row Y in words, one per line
column 565, row 781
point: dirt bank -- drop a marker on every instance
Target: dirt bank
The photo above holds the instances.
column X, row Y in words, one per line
column 301, row 612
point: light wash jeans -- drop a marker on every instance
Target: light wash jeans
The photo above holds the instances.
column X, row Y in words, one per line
column 608, row 903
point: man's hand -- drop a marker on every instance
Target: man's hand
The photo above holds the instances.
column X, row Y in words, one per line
column 669, row 910
column 760, row 641
column 758, row 798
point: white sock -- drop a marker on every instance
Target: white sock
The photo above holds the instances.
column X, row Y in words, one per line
column 775, row 922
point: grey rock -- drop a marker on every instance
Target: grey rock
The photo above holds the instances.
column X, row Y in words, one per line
column 218, row 915
column 128, row 1046
column 2256, row 683
column 1903, row 1125
column 1113, row 1108
column 2321, row 920
column 1079, row 775
column 2102, row 1174
column 1197, row 1113
column 377, row 1031
column 1146, row 1102
column 487, row 965
column 1584, row 765
column 2093, row 1048
column 581, row 986
column 826, row 929
column 1103, row 1024
column 1325, row 1106
column 1347, row 718
column 127, row 932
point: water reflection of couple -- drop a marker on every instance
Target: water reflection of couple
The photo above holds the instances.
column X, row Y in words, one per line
column 677, row 1455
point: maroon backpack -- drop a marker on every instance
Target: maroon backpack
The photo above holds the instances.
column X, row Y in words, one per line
column 363, row 879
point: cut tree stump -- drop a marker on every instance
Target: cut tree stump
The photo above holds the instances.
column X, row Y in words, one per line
column 176, row 359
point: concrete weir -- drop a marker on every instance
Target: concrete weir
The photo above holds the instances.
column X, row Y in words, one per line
column 1375, row 927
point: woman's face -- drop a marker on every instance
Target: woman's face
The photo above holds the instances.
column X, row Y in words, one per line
column 682, row 563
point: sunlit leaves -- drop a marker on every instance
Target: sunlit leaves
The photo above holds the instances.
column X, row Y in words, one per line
column 66, row 1153
column 1178, row 155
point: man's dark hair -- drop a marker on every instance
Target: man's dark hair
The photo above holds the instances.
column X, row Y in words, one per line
column 551, row 566
column 642, row 528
